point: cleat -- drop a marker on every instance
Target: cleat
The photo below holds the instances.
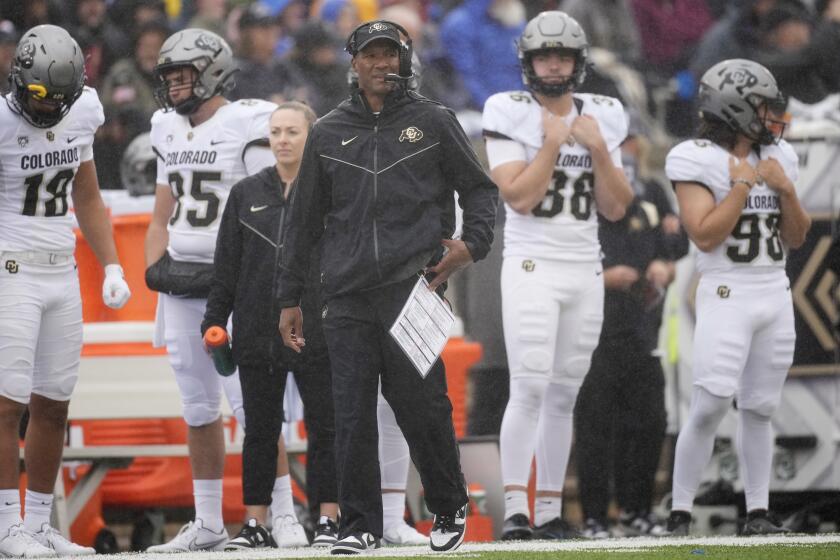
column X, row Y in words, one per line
column 193, row 537
column 517, row 528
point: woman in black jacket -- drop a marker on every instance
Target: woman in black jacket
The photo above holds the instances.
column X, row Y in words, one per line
column 247, row 250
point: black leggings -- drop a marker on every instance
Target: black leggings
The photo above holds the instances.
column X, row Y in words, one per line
column 262, row 395
column 619, row 427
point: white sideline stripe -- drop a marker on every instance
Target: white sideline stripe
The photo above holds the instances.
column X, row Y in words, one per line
column 116, row 332
column 467, row 549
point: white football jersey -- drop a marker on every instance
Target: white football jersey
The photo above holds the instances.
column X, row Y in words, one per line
column 754, row 243
column 202, row 163
column 37, row 167
column 564, row 225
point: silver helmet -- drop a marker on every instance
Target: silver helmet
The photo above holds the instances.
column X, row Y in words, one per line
column 208, row 54
column 552, row 30
column 48, row 66
column 138, row 168
column 733, row 90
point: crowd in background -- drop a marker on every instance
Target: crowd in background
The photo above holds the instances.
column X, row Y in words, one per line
column 293, row 49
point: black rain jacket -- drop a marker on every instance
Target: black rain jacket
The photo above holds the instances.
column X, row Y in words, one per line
column 379, row 190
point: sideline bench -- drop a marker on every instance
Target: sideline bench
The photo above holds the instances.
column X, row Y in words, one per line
column 122, row 377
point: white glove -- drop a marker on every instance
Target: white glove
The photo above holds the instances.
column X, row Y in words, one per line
column 115, row 291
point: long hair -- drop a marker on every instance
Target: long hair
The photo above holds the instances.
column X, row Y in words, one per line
column 713, row 129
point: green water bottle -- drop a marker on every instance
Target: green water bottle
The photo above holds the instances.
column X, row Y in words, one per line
column 217, row 341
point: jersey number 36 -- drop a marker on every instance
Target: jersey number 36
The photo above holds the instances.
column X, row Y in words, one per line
column 555, row 201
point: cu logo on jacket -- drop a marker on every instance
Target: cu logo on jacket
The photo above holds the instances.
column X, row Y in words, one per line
column 412, row 134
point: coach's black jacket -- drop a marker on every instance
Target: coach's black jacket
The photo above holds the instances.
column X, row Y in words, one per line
column 379, row 189
column 245, row 267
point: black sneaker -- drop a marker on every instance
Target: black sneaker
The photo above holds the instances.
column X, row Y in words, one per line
column 678, row 524
column 517, row 528
column 326, row 533
column 448, row 530
column 555, row 530
column 252, row 535
column 760, row 523
column 355, row 543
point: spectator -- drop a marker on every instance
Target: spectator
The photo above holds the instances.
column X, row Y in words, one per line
column 26, row 15
column 670, row 30
column 620, row 410
column 599, row 19
column 341, row 16
column 826, row 42
column 130, row 13
column 318, row 72
column 8, row 42
column 261, row 75
column 478, row 38
column 210, row 15
column 102, row 42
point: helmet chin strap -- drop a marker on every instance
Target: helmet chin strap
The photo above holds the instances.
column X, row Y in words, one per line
column 188, row 106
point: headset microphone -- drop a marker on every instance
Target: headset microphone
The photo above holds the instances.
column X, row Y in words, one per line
column 390, row 77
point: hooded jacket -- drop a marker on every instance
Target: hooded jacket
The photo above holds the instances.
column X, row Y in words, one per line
column 380, row 190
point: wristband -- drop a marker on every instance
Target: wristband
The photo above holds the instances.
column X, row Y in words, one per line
column 734, row 182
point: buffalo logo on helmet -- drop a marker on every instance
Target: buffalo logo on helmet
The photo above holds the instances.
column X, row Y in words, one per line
column 412, row 134
column 27, row 54
column 208, row 43
column 740, row 78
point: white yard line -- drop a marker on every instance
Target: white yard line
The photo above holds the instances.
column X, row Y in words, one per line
column 471, row 549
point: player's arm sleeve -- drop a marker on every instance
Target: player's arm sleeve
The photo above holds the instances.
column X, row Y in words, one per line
column 97, row 115
column 478, row 195
column 158, row 149
column 226, row 265
column 615, row 130
column 308, row 203
column 256, row 154
column 498, row 136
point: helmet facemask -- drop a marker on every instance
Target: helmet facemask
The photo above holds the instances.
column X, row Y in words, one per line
column 187, row 106
column 552, row 89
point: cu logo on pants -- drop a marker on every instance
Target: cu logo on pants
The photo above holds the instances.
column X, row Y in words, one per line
column 12, row 267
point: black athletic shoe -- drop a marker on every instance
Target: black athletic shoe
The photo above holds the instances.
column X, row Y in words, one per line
column 678, row 524
column 326, row 533
column 355, row 543
column 556, row 530
column 252, row 535
column 759, row 523
column 448, row 530
column 517, row 528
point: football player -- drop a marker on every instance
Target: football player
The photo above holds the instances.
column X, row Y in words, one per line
column 47, row 124
column 205, row 144
column 738, row 203
column 555, row 156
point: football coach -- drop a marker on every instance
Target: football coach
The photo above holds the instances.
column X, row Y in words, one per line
column 377, row 183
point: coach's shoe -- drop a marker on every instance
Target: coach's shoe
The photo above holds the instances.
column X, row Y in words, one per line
column 759, row 523
column 677, row 525
column 517, row 528
column 632, row 524
column 288, row 532
column 448, row 530
column 403, row 533
column 252, row 535
column 193, row 536
column 355, row 543
column 51, row 538
column 557, row 529
column 20, row 543
column 326, row 533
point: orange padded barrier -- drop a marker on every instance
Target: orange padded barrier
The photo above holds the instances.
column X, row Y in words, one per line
column 129, row 235
column 459, row 356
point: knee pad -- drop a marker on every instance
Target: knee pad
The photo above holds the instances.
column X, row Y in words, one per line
column 528, row 392
column 200, row 414
column 707, row 410
column 561, row 397
column 16, row 385
column 763, row 406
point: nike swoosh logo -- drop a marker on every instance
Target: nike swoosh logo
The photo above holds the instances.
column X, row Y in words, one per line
column 258, row 208
column 214, row 142
column 599, row 273
column 345, row 142
column 70, row 140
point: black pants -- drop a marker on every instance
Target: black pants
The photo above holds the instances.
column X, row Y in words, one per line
column 619, row 427
column 262, row 396
column 356, row 328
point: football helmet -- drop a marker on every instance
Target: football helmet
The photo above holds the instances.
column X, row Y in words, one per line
column 48, row 68
column 211, row 58
column 138, row 167
column 552, row 30
column 733, row 90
